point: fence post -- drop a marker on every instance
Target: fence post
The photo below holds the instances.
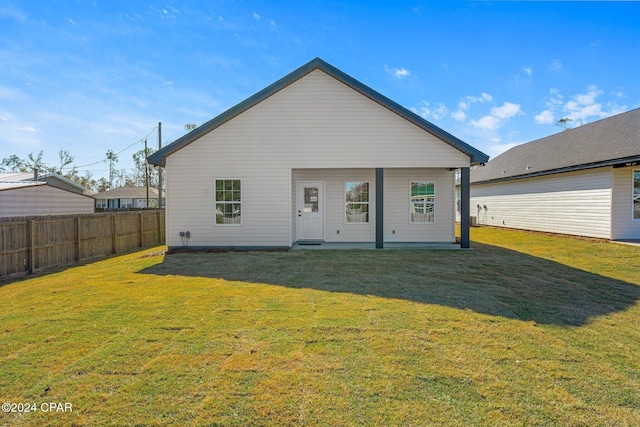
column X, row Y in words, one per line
column 141, row 221
column 32, row 246
column 159, row 223
column 114, row 234
column 78, row 240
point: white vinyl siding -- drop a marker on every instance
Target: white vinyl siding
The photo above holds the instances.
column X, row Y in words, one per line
column 397, row 217
column 315, row 123
column 577, row 203
column 43, row 200
column 624, row 226
column 335, row 227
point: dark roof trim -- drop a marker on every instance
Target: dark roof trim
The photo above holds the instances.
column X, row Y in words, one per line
column 159, row 158
column 614, row 162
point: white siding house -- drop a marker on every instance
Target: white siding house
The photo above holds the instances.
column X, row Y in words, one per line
column 584, row 181
column 127, row 198
column 315, row 157
column 40, row 198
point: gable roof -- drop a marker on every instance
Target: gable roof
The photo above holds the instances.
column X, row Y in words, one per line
column 159, row 158
column 49, row 177
column 611, row 141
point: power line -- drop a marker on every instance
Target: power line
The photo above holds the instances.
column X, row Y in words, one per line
column 117, row 154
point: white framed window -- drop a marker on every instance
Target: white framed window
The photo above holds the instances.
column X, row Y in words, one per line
column 126, row 203
column 421, row 202
column 635, row 200
column 228, row 201
column 357, row 202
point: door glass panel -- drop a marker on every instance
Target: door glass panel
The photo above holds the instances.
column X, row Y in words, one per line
column 310, row 199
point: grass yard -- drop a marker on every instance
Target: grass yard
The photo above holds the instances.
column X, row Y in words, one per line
column 525, row 329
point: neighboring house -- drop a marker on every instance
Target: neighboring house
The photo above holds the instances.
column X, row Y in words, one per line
column 316, row 156
column 583, row 181
column 51, row 178
column 40, row 198
column 127, row 198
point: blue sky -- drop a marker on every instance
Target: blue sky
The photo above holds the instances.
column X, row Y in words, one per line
column 89, row 76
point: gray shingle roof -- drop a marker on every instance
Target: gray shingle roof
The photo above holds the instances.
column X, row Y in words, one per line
column 159, row 157
column 613, row 140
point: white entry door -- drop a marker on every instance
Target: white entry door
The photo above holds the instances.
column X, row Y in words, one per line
column 310, row 210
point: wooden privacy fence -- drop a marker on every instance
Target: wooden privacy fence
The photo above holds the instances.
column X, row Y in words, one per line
column 28, row 244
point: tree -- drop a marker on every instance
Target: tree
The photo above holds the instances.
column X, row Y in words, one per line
column 12, row 163
column 112, row 158
column 102, row 185
column 65, row 159
column 35, row 162
column 564, row 123
column 142, row 168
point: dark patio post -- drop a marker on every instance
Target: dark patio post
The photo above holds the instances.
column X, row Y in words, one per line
column 465, row 203
column 379, row 208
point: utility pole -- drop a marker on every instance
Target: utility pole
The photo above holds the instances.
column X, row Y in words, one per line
column 159, row 168
column 146, row 172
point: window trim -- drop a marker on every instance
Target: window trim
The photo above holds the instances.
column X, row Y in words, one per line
column 368, row 202
column 215, row 203
column 410, row 203
column 633, row 194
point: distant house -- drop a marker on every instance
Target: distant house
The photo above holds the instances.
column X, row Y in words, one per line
column 40, row 198
column 315, row 157
column 583, row 181
column 51, row 178
column 127, row 198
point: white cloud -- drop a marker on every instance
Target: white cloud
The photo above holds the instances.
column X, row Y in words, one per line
column 544, row 117
column 440, row 112
column 580, row 107
column 619, row 94
column 507, row 110
column 466, row 102
column 12, row 12
column 397, row 72
column 459, row 115
column 10, row 94
column 256, row 16
column 484, row 97
column 588, row 98
column 487, row 122
column 555, row 65
column 528, row 70
column 425, row 111
column 17, row 134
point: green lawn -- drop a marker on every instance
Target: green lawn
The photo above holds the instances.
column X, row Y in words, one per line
column 525, row 329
